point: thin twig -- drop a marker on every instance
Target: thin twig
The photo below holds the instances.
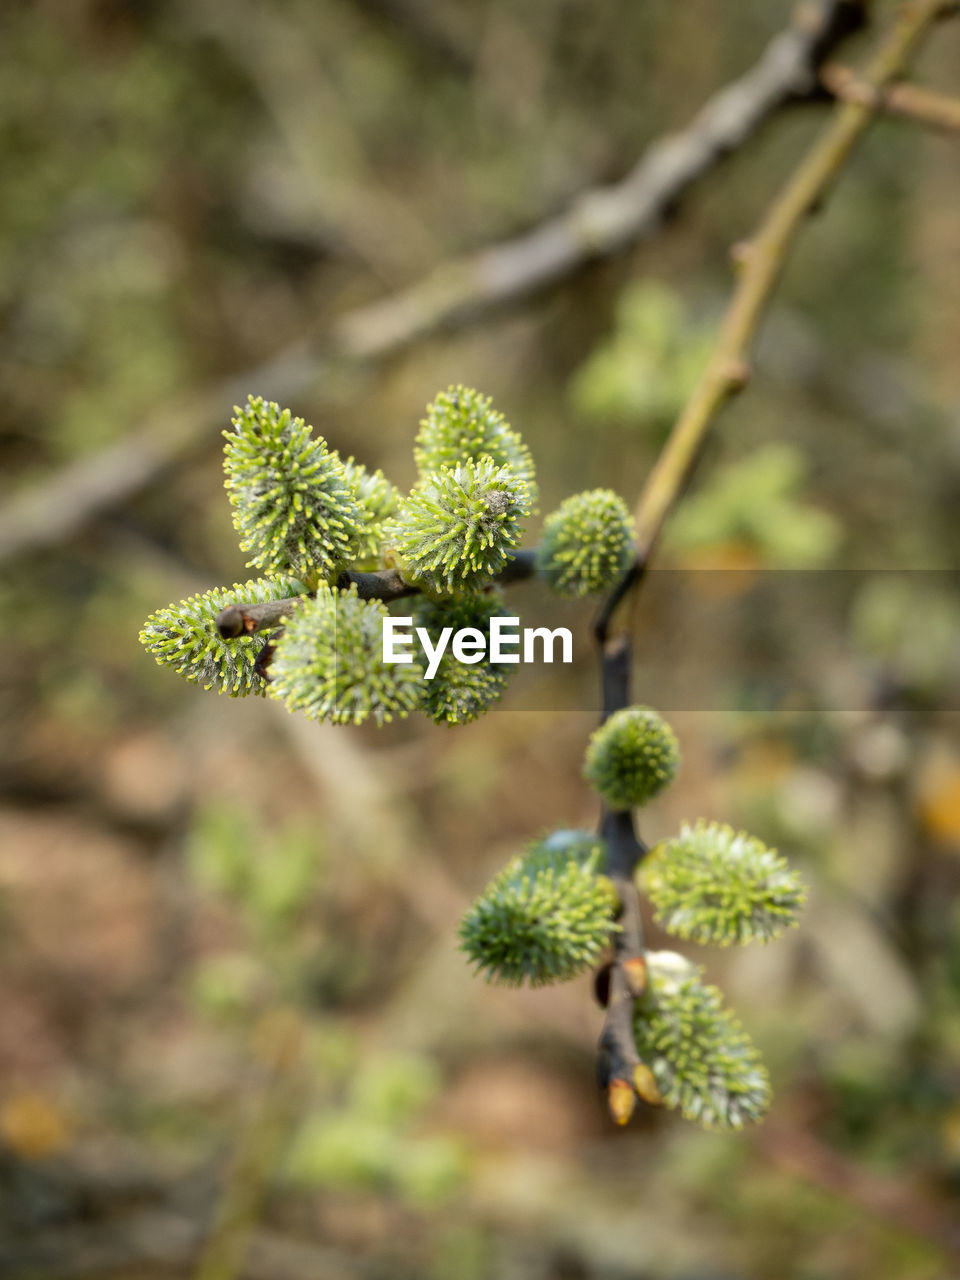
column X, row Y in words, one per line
column 909, row 101
column 379, row 584
column 389, row 584
column 617, row 1054
column 761, row 262
column 598, row 224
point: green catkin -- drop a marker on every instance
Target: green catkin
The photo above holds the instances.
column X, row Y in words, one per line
column 703, row 1061
column 329, row 663
column 714, row 885
column 587, row 543
column 456, row 530
column 378, row 500
column 631, row 757
column 293, row 505
column 461, row 424
column 183, row 636
column 460, row 692
column 546, row 917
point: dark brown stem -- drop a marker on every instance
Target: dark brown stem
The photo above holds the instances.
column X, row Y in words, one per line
column 247, row 619
column 521, row 566
column 380, row 584
column 618, row 1060
column 261, row 667
column 389, row 584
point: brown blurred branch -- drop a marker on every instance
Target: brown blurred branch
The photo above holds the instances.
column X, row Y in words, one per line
column 598, row 224
column 56, row 508
column 909, row 101
column 761, row 263
column 605, row 221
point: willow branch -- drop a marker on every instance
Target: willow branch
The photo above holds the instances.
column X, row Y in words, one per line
column 908, row 101
column 389, row 584
column 598, row 224
column 379, row 584
column 761, row 262
column 609, row 219
column 247, row 619
column 617, row 1054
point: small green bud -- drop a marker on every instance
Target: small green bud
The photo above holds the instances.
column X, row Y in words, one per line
column 460, row 692
column 703, row 1061
column 714, row 885
column 183, row 636
column 378, row 500
column 456, row 530
column 545, row 918
column 462, row 424
column 631, row 757
column 587, row 543
column 329, row 663
column 293, row 505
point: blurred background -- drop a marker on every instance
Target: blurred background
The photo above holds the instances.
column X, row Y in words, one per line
column 236, row 1035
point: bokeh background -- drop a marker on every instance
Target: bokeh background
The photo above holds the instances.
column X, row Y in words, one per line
column 230, row 996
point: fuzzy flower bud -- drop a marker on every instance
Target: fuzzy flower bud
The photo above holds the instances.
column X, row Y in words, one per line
column 378, row 500
column 329, row 663
column 702, row 1060
column 713, row 885
column 587, row 543
column 546, row 917
column 631, row 757
column 184, row 636
column 455, row 531
column 462, row 424
column 293, row 506
column 460, row 692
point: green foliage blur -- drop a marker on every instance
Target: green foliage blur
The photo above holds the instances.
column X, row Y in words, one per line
column 643, row 372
